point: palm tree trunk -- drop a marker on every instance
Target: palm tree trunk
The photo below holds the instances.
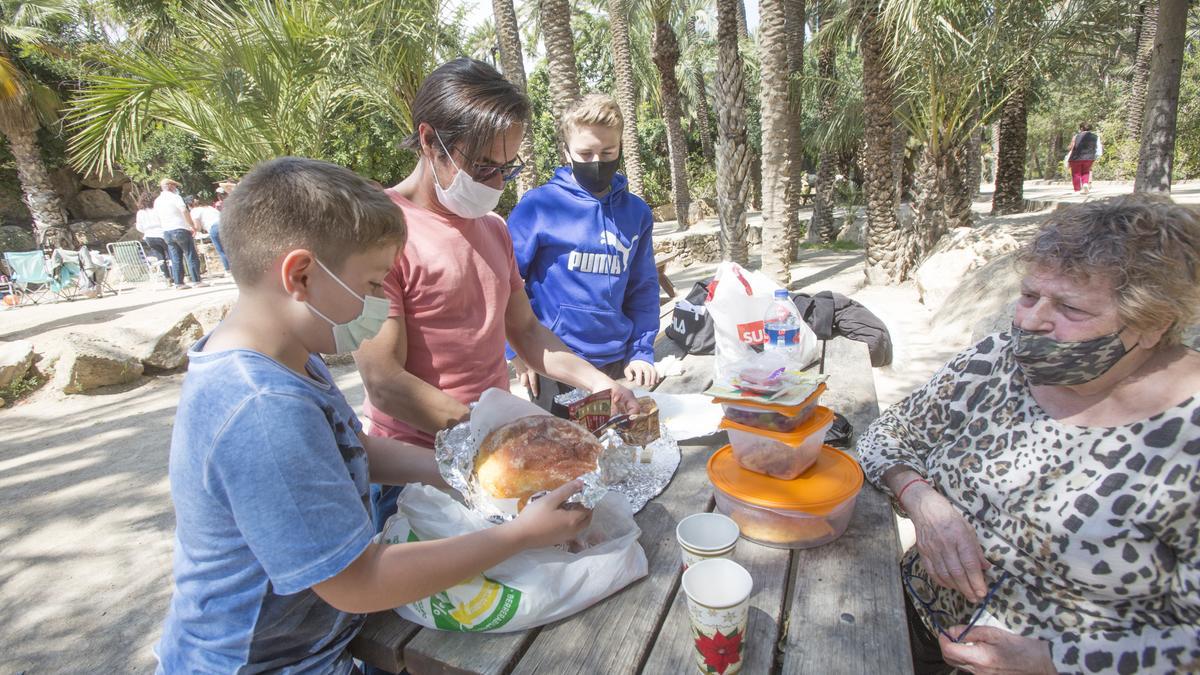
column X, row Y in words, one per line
column 742, row 27
column 822, row 227
column 703, row 111
column 666, row 59
column 618, row 11
column 18, row 125
column 974, row 168
column 795, row 14
column 1135, row 105
column 1157, row 153
column 733, row 150
column 776, row 115
column 1009, row 196
column 508, row 35
column 884, row 240
column 560, row 56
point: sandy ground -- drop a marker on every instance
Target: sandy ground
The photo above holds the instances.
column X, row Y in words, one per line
column 86, row 522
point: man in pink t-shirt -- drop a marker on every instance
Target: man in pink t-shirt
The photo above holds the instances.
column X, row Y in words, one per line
column 455, row 291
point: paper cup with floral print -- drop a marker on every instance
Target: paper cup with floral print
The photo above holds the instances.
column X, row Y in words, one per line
column 718, row 598
column 702, row 536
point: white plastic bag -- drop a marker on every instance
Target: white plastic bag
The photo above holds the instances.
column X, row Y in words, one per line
column 531, row 588
column 737, row 305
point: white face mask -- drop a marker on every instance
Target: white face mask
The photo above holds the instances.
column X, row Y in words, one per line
column 466, row 197
column 347, row 337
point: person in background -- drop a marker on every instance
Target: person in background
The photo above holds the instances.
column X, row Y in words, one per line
column 1084, row 151
column 208, row 219
column 455, row 291
column 146, row 222
column 224, row 189
column 1052, row 471
column 583, row 245
column 177, row 225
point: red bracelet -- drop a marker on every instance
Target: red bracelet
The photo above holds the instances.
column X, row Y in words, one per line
column 900, row 494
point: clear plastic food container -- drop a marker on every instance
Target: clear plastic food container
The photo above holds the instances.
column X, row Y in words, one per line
column 770, row 417
column 782, row 455
column 804, row 512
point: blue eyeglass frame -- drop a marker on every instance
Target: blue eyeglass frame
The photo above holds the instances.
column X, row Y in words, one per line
column 907, row 575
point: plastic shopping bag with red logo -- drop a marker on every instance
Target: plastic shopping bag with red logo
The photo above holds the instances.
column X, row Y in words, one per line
column 737, row 300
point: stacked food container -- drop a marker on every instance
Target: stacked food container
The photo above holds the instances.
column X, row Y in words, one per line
column 777, row 479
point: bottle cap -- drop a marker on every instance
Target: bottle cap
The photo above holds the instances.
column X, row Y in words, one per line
column 781, row 293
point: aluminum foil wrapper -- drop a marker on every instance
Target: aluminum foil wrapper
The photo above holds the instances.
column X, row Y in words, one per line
column 639, row 473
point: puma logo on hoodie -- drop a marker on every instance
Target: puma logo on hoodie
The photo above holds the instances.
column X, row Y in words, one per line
column 603, row 263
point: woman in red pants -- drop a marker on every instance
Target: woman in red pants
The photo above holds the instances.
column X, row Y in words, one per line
column 1085, row 149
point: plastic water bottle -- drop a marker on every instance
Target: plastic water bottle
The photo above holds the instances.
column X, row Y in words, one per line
column 782, row 324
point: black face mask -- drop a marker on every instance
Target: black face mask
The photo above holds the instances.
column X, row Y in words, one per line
column 595, row 177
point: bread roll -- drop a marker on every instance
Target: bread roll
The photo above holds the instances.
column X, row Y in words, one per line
column 533, row 454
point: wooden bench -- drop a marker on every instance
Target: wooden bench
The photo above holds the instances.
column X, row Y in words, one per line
column 664, row 282
column 837, row 608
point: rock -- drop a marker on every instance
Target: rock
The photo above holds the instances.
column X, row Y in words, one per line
column 161, row 341
column 981, row 303
column 129, row 197
column 13, row 238
column 15, row 360
column 212, row 314
column 855, row 231
column 66, row 182
column 664, row 213
column 88, row 362
column 98, row 233
column 962, row 250
column 98, row 204
column 105, row 180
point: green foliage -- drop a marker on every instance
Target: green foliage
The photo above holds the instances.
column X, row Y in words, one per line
column 168, row 152
column 545, row 143
column 19, row 389
column 839, row 245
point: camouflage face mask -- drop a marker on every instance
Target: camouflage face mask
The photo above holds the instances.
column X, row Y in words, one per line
column 1046, row 361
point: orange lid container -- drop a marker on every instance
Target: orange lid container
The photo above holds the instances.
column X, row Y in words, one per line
column 789, row 410
column 834, row 478
column 821, row 418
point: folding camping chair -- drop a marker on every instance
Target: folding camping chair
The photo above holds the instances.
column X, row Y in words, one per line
column 65, row 272
column 95, row 270
column 30, row 279
column 134, row 265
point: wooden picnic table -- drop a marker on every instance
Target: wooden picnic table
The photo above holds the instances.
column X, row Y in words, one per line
column 837, row 608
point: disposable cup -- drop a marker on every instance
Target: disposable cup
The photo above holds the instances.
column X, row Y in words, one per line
column 718, row 597
column 706, row 535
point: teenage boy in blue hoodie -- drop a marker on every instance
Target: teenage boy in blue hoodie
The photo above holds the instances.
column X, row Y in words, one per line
column 583, row 246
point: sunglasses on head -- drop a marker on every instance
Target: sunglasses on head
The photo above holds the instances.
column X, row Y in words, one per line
column 922, row 591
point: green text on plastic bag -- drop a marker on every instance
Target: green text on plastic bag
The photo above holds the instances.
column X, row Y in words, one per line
column 478, row 605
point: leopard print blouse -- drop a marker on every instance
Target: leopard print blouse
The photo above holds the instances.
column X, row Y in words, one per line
column 1099, row 528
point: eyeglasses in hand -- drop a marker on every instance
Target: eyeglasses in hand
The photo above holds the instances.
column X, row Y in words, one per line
column 922, row 591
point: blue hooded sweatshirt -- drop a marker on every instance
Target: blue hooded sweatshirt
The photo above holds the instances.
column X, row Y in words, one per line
column 588, row 266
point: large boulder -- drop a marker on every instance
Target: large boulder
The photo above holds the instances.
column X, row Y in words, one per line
column 959, row 252
column 97, row 233
column 161, row 341
column 13, row 238
column 213, row 313
column 105, row 179
column 981, row 303
column 15, row 360
column 854, row 230
column 664, row 212
column 88, row 362
column 98, row 205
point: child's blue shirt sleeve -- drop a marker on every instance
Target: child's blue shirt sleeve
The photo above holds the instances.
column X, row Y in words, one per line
column 641, row 296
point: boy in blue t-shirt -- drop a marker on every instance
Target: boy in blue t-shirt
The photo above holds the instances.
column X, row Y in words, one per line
column 269, row 468
column 583, row 245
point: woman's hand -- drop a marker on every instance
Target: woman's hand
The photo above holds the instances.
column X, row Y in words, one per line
column 949, row 548
column 641, row 373
column 525, row 376
column 992, row 651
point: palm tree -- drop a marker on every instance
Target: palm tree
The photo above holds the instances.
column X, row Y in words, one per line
column 618, row 13
column 795, row 16
column 512, row 61
column 259, row 80
column 699, row 95
column 555, row 18
column 25, row 104
column 776, row 155
column 1008, row 195
column 733, row 151
column 885, row 239
column 1157, row 152
column 666, row 59
column 822, row 227
column 1135, row 105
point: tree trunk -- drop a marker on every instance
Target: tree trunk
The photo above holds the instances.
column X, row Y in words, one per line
column 18, row 125
column 822, row 228
column 1009, row 195
column 733, row 151
column 743, row 28
column 884, row 238
column 1157, row 153
column 618, row 11
column 776, row 115
column 794, row 11
column 1135, row 105
column 974, row 169
column 508, row 35
column 703, row 111
column 666, row 58
column 560, row 57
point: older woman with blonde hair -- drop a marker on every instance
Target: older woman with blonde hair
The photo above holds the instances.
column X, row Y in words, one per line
column 1052, row 471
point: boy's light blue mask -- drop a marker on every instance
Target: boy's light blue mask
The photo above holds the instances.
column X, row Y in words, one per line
column 347, row 337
